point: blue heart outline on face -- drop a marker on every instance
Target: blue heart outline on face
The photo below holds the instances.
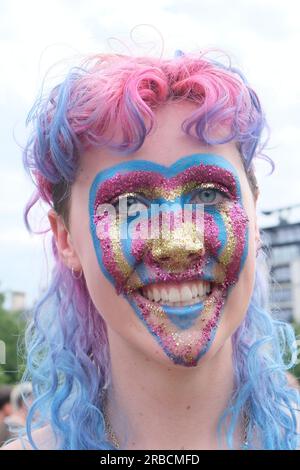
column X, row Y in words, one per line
column 171, row 171
column 168, row 172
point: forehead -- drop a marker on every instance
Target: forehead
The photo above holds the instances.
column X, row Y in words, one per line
column 165, row 145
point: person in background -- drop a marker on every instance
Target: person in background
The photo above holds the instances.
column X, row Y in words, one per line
column 20, row 399
column 292, row 380
column 5, row 411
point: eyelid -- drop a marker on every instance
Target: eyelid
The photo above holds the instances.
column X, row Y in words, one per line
column 121, row 196
column 130, row 194
column 223, row 190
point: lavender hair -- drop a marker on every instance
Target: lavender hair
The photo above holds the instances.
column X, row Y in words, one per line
column 68, row 354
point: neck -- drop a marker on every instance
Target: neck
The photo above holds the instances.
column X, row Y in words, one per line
column 167, row 407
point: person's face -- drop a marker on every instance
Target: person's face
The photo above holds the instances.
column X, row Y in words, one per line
column 176, row 297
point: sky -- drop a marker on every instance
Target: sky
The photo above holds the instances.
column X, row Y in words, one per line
column 261, row 37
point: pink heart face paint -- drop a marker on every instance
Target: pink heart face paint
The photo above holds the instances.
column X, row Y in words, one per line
column 177, row 285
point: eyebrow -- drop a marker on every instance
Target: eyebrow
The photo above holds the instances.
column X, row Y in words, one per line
column 153, row 184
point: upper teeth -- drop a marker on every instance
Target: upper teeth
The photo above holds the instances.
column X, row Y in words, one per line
column 184, row 292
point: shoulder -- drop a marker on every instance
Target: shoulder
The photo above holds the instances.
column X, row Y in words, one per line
column 43, row 438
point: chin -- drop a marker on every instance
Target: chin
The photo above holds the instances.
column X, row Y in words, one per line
column 182, row 317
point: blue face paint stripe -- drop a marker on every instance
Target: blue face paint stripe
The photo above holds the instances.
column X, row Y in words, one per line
column 246, row 247
column 186, row 318
column 209, row 270
column 126, row 250
column 217, row 216
column 126, row 245
column 142, row 273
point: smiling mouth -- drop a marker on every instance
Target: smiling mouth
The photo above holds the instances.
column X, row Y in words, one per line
column 177, row 294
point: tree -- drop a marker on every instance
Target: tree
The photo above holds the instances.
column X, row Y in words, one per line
column 12, row 326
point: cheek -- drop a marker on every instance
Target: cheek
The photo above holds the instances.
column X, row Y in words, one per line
column 100, row 290
column 226, row 241
column 116, row 312
column 103, row 294
column 240, row 293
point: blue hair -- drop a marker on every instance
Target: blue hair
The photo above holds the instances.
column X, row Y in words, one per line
column 263, row 350
column 68, row 354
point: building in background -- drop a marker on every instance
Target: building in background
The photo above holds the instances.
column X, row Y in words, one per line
column 15, row 300
column 282, row 241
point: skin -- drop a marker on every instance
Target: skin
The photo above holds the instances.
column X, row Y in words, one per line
column 76, row 247
column 19, row 415
column 5, row 411
column 216, row 252
column 149, row 392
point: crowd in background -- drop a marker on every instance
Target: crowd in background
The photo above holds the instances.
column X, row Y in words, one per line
column 14, row 402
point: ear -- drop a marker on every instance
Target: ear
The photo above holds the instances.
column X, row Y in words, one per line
column 63, row 241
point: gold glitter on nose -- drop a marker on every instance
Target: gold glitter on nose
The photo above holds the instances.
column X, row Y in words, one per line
column 175, row 247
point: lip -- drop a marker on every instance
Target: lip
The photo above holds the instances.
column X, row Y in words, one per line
column 172, row 279
column 184, row 332
column 178, row 310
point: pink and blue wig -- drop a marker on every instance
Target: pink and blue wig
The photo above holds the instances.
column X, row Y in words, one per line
column 68, row 354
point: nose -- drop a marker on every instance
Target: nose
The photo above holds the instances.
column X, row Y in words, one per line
column 179, row 248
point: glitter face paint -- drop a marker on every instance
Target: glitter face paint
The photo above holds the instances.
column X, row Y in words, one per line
column 184, row 333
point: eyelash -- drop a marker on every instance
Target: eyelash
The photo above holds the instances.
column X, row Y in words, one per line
column 140, row 198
